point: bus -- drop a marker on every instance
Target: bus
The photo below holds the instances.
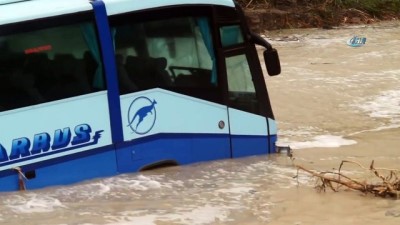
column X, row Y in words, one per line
column 92, row 89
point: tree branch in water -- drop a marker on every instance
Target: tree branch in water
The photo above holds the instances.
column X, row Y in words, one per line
column 388, row 185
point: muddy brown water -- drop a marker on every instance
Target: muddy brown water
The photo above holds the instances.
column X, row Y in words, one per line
column 332, row 102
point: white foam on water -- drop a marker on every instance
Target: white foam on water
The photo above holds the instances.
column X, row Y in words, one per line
column 235, row 193
column 309, row 40
column 102, row 189
column 329, row 158
column 210, row 196
column 207, row 201
column 111, row 186
column 385, row 105
column 324, row 41
column 139, row 183
column 200, row 215
column 320, row 141
column 203, row 215
column 372, row 54
column 33, row 203
column 381, row 128
column 300, row 131
column 128, row 220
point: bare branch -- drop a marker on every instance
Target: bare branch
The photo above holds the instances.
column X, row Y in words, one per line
column 388, row 187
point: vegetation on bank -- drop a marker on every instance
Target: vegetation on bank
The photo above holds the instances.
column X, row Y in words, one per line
column 322, row 13
column 375, row 8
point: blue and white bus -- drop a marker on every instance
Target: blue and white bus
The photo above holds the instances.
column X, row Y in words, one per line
column 92, row 89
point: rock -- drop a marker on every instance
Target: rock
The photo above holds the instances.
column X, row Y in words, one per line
column 284, row 3
column 254, row 19
column 393, row 212
column 355, row 20
column 288, row 38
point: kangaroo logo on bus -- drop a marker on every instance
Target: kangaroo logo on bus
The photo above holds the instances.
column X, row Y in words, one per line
column 142, row 115
column 357, row 41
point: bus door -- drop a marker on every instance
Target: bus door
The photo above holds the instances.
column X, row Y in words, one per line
column 252, row 128
column 248, row 129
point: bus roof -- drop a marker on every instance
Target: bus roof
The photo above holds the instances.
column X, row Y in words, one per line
column 35, row 9
column 12, row 11
column 123, row 6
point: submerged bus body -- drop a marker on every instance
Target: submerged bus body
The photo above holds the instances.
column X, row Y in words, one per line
column 96, row 88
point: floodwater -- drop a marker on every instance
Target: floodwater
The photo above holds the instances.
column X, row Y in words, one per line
column 333, row 102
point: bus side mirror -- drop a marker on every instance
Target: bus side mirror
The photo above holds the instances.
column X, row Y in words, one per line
column 271, row 56
column 272, row 62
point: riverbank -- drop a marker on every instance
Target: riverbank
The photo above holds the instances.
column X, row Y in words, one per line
column 286, row 14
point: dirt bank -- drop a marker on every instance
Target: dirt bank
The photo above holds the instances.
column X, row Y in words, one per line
column 292, row 14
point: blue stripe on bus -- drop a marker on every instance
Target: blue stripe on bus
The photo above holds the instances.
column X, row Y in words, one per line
column 9, row 181
column 248, row 145
column 64, row 170
column 134, row 155
column 272, row 144
column 181, row 148
column 107, row 49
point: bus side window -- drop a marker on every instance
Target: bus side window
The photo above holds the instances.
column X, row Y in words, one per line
column 49, row 63
column 125, row 82
column 230, row 35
